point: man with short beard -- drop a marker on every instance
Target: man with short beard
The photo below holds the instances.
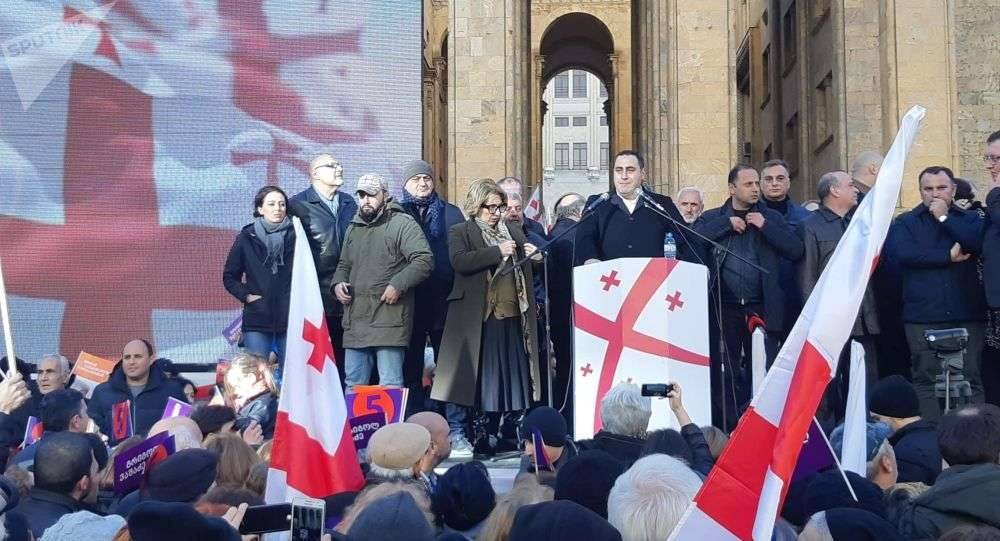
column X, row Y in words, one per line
column 326, row 214
column 384, row 257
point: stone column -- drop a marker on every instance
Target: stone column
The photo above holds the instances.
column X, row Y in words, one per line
column 488, row 98
column 917, row 59
column 686, row 107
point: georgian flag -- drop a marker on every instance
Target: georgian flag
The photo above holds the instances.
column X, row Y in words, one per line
column 744, row 492
column 314, row 453
column 533, row 210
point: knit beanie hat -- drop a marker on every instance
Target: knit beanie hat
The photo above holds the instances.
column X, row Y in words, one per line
column 156, row 521
column 395, row 517
column 894, row 397
column 549, row 422
column 416, row 167
column 587, row 479
column 560, row 520
column 84, row 525
column 182, row 477
column 827, row 490
column 464, row 496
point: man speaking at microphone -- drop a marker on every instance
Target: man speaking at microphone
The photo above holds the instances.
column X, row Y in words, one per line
column 629, row 223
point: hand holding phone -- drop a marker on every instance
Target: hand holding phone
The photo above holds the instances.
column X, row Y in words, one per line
column 308, row 517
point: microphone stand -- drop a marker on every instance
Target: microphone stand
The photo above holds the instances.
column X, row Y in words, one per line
column 544, row 249
column 727, row 371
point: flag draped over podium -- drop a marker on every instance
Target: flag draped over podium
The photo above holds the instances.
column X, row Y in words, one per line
column 314, row 452
column 742, row 496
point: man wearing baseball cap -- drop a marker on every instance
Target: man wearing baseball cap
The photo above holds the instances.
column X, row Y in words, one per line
column 385, row 255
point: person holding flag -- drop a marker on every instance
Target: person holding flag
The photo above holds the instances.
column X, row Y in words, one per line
column 742, row 496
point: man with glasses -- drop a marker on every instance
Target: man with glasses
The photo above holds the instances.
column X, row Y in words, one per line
column 435, row 217
column 384, row 257
column 325, row 215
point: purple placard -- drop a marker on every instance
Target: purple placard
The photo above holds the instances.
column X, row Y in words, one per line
column 542, row 461
column 176, row 408
column 363, row 426
column 367, row 399
column 816, row 454
column 232, row 331
column 130, row 466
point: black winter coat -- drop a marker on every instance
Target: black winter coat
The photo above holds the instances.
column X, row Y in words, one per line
column 991, row 250
column 42, row 509
column 935, row 289
column 432, row 294
column 326, row 237
column 146, row 409
column 917, row 453
column 778, row 242
column 612, row 232
column 245, row 274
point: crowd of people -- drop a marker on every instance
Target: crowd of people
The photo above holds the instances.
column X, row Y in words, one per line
column 451, row 303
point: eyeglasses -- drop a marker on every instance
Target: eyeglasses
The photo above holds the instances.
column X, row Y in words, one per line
column 991, row 159
column 495, row 209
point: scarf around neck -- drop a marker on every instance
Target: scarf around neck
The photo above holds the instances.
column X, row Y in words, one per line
column 431, row 208
column 493, row 236
column 273, row 237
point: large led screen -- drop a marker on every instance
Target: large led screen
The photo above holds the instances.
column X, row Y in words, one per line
column 134, row 134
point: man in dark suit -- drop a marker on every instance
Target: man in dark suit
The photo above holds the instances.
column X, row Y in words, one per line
column 626, row 225
column 568, row 210
column 325, row 215
column 747, row 227
column 820, row 233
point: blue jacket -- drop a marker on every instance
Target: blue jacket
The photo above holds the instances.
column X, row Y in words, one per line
column 794, row 215
column 779, row 242
column 935, row 289
column 146, row 408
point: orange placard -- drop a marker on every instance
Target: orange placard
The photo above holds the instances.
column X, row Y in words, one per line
column 93, row 368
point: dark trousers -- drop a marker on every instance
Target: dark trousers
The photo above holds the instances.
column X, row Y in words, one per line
column 833, row 406
column 926, row 365
column 731, row 369
column 334, row 324
column 413, row 364
column 562, row 346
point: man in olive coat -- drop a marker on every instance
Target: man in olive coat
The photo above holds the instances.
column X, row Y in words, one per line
column 385, row 256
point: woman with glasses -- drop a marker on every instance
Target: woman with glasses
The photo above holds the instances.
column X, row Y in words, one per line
column 489, row 354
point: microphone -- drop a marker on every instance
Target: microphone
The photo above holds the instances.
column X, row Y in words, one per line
column 597, row 202
column 652, row 202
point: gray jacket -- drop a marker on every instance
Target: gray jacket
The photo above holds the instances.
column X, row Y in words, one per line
column 391, row 250
column 820, row 234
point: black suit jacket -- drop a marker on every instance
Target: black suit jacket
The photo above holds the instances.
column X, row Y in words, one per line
column 609, row 232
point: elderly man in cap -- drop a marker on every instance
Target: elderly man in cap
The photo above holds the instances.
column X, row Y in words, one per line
column 396, row 453
column 435, row 217
column 325, row 215
column 384, row 257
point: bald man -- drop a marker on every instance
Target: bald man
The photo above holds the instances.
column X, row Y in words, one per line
column 325, row 215
column 440, row 444
column 186, row 433
column 138, row 380
column 864, row 170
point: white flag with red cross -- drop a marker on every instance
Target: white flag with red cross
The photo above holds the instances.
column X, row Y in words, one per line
column 533, row 210
column 640, row 320
column 744, row 492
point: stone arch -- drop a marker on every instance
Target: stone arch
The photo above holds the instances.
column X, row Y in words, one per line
column 577, row 40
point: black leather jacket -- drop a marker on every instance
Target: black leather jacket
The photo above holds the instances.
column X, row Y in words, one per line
column 326, row 236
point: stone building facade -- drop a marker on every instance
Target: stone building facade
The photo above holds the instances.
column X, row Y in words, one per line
column 700, row 85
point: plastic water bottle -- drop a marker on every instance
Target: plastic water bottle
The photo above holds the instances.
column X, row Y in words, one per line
column 669, row 247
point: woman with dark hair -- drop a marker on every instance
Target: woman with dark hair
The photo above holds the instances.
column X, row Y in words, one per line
column 489, row 354
column 258, row 273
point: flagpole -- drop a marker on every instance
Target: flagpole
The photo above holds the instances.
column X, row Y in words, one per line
column 8, row 338
column 836, row 460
